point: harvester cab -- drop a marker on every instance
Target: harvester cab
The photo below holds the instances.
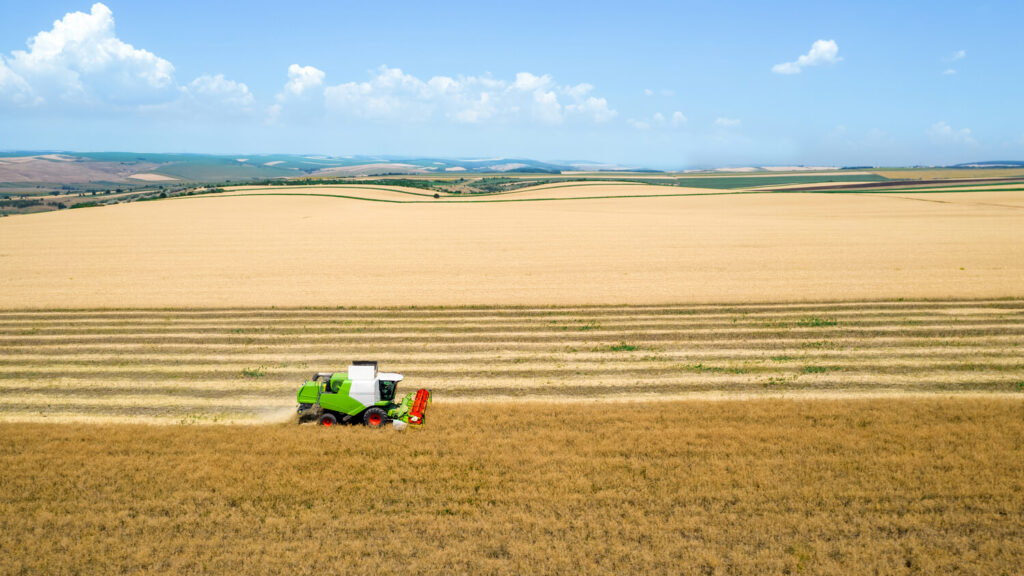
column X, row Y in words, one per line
column 361, row 395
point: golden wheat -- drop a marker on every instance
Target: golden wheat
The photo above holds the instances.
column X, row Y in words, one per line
column 301, row 251
column 865, row 486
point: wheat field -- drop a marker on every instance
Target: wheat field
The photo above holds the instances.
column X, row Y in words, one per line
column 244, row 365
column 327, row 251
column 893, row 486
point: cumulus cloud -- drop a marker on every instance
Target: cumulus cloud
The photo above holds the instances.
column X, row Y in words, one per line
column 80, row 62
column 594, row 108
column 81, row 59
column 723, row 122
column 304, row 84
column 391, row 94
column 218, row 90
column 302, row 79
column 948, row 72
column 678, row 119
column 822, row 52
column 14, row 88
column 943, row 133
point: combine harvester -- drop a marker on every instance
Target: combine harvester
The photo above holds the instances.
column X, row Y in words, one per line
column 361, row 395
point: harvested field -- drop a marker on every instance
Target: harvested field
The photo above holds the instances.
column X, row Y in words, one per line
column 396, row 194
column 329, row 251
column 59, row 169
column 950, row 173
column 557, row 191
column 369, row 169
column 243, row 365
column 150, row 177
column 929, row 486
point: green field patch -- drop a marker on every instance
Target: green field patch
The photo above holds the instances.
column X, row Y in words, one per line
column 816, row 322
column 819, row 369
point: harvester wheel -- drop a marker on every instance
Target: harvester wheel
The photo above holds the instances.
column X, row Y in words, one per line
column 328, row 420
column 375, row 417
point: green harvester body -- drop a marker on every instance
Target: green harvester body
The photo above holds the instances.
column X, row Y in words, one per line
column 360, row 395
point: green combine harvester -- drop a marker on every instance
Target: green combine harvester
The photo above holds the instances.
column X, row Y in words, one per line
column 360, row 396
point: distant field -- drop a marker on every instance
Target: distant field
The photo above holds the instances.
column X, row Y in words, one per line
column 931, row 486
column 952, row 173
column 325, row 251
column 244, row 365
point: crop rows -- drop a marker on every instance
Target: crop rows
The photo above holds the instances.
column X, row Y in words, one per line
column 244, row 365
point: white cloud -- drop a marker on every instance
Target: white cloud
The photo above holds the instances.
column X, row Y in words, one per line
column 302, row 79
column 14, row 88
column 218, row 90
column 943, row 133
column 948, row 72
column 81, row 60
column 391, row 94
column 304, row 84
column 723, row 122
column 822, row 52
column 659, row 120
column 546, row 107
column 595, row 108
column 528, row 82
column 666, row 92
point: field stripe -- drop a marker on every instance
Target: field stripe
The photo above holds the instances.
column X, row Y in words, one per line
column 245, row 364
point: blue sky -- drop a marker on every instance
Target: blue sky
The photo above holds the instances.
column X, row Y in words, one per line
column 660, row 84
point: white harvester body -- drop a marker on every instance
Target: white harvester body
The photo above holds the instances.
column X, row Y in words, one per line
column 366, row 382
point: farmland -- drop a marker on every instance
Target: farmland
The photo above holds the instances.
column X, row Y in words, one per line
column 781, row 486
column 335, row 248
column 628, row 377
column 243, row 365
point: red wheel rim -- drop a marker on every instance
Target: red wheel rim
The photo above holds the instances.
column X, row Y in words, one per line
column 374, row 419
column 327, row 422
